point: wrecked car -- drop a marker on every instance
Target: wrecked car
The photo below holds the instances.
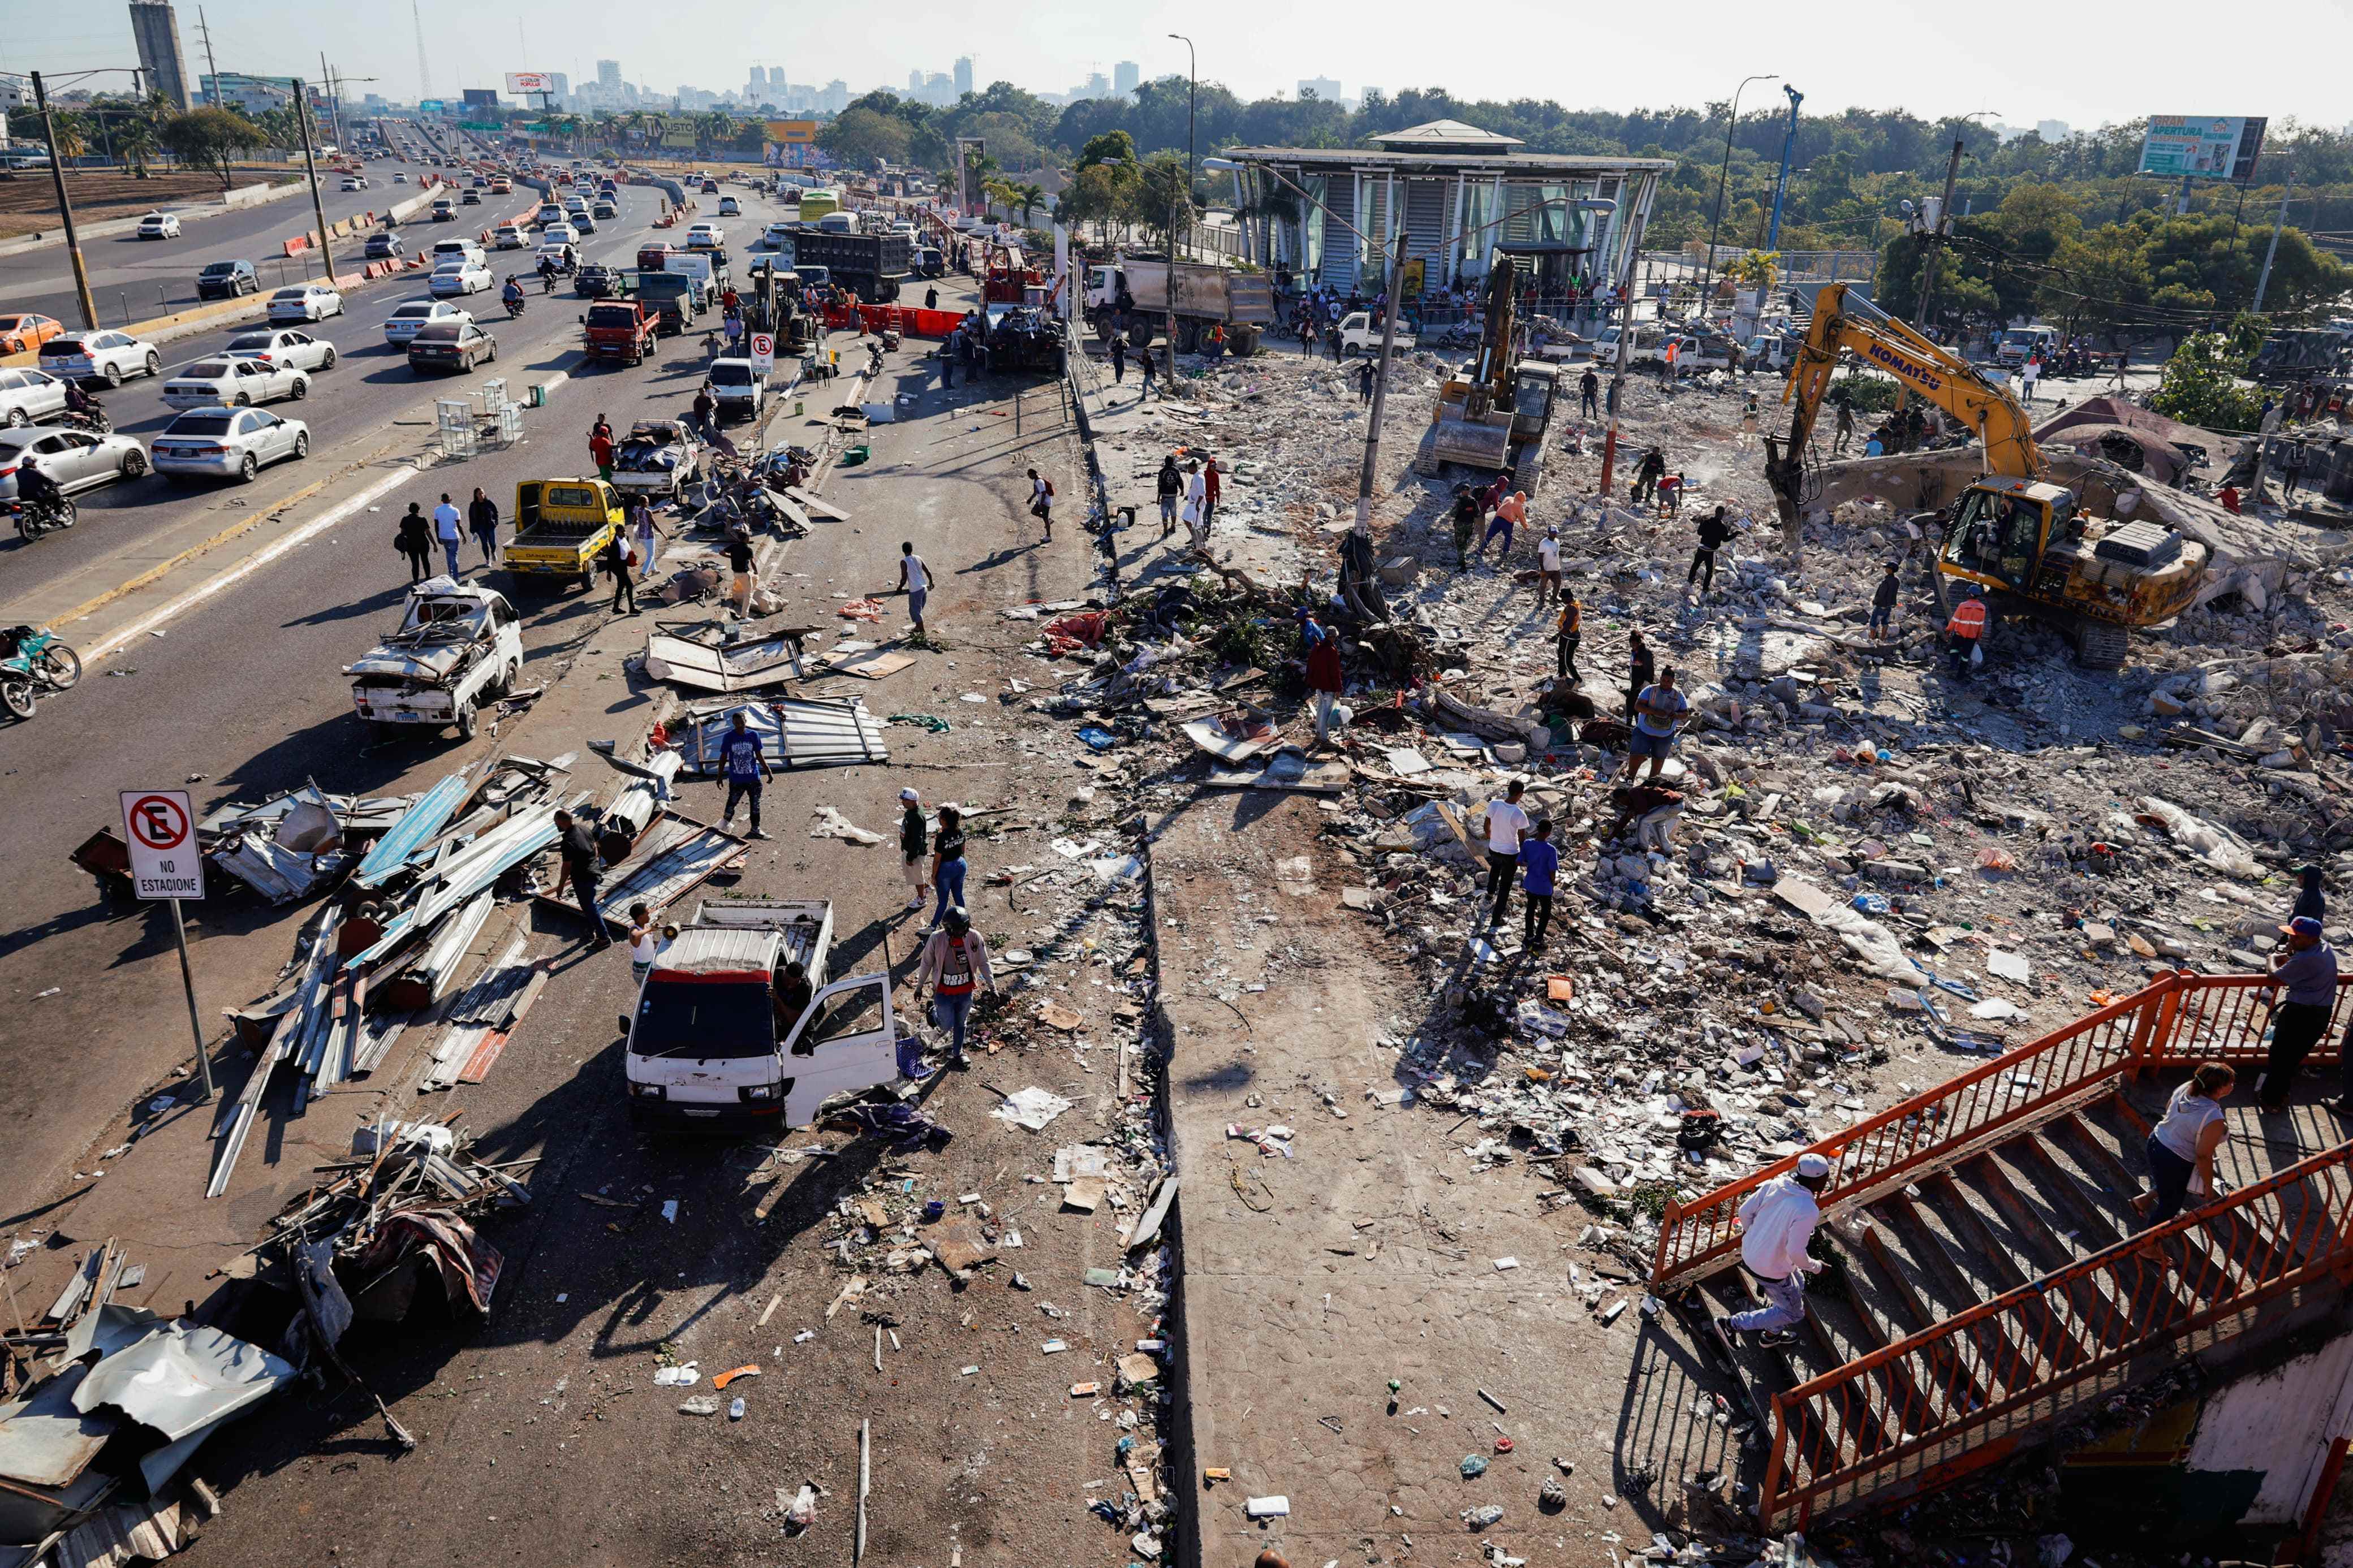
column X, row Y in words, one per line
column 459, row 645
column 657, row 458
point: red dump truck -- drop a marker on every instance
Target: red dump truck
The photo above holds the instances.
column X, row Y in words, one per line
column 619, row 330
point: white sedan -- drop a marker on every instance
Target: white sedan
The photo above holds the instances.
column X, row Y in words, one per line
column 460, row 277
column 559, row 234
column 507, row 237
column 233, row 381
column 415, row 316
column 299, row 350
column 705, row 236
column 228, row 442
column 160, row 226
column 779, row 234
column 305, row 303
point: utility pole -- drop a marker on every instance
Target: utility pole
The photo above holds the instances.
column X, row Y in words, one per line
column 1625, row 328
column 1781, row 185
column 64, row 206
column 206, row 32
column 2278, row 222
column 311, row 164
column 334, row 95
column 1920, row 317
column 1193, row 80
column 1364, row 527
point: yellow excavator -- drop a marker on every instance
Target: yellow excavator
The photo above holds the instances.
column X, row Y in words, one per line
column 2012, row 532
column 1494, row 415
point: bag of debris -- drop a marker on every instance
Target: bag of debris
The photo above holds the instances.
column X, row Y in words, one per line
column 1699, row 1130
column 2216, row 845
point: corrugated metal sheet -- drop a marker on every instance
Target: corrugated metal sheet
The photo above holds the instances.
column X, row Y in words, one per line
column 418, row 825
column 45, row 1441
column 795, row 732
column 179, row 1378
column 123, row 1533
column 688, row 660
column 674, row 858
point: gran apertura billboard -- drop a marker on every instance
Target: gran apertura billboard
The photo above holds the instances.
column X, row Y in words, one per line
column 2201, row 147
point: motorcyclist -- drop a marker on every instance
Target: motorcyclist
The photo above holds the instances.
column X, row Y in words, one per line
column 548, row 275
column 37, row 491
column 79, row 402
column 513, row 295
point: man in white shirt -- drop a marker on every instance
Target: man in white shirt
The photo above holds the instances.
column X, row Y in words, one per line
column 446, row 528
column 1196, row 511
column 1506, row 825
column 915, row 582
column 1548, row 567
column 1776, row 1224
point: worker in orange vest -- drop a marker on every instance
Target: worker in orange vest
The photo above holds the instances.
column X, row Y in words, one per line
column 1967, row 632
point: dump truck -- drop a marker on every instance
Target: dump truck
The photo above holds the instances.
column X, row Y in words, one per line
column 1206, row 296
column 560, row 525
column 458, row 645
column 870, row 266
column 719, row 1041
column 620, row 330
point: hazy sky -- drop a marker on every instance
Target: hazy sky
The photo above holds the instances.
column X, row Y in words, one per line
column 2084, row 65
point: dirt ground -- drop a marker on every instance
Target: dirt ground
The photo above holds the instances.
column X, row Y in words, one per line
column 29, row 201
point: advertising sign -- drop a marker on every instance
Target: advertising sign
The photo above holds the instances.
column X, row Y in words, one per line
column 2201, row 147
column 429, row 106
column 160, row 833
column 522, row 84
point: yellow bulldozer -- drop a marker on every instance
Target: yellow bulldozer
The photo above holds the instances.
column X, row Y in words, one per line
column 2013, row 532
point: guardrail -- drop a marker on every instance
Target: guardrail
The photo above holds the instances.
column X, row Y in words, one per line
column 2180, row 1016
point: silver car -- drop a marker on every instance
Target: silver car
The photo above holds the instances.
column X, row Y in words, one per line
column 228, row 442
column 103, row 355
column 284, row 345
column 305, row 303
column 26, row 395
column 76, row 460
column 233, row 381
column 413, row 317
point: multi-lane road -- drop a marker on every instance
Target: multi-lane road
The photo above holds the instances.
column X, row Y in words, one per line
column 241, row 694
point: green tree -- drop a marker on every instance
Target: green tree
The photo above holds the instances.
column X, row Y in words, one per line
column 1113, row 146
column 2201, row 386
column 1029, row 196
column 859, row 136
column 209, row 138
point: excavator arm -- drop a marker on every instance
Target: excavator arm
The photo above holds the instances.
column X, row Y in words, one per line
column 1844, row 324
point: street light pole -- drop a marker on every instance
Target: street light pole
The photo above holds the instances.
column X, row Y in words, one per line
column 311, row 164
column 65, row 208
column 1193, row 73
column 1723, row 175
column 2264, row 280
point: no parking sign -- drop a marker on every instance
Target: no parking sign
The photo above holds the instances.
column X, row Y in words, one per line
column 160, row 836
column 764, row 352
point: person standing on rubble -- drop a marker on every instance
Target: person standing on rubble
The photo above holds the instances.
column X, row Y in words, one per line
column 1965, row 633
column 1589, row 391
column 1883, row 606
column 576, row 849
column 740, row 562
column 1466, row 523
column 1506, row 823
column 1118, row 358
column 955, row 964
column 1365, row 377
column 947, row 862
column 2305, row 970
column 2292, row 459
column 1511, row 510
column 1196, row 520
column 1641, row 666
column 1845, row 426
column 1168, row 486
column 914, row 846
column 1548, row 566
column 1539, row 864
column 415, row 540
column 1777, row 1223
column 1712, row 532
column 742, row 765
column 1144, row 359
column 1567, row 635
column 1327, row 678
column 1647, row 474
column 1658, row 714
column 1749, row 417
column 1211, row 477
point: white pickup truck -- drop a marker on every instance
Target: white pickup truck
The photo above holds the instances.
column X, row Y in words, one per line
column 1360, row 333
column 657, row 458
column 458, row 645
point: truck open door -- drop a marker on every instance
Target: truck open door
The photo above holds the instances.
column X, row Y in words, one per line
column 847, row 1040
column 527, row 512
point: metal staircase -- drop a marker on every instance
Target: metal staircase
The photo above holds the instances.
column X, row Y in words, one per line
column 1986, row 1275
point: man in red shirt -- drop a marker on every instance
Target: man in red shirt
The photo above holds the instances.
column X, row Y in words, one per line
column 1325, row 679
column 600, row 449
column 1209, row 477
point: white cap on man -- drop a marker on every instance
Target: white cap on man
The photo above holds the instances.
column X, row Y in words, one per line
column 1813, row 1167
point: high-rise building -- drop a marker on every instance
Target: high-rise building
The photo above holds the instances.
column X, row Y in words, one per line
column 834, row 97
column 156, row 28
column 609, row 75
column 2052, row 130
column 964, row 76
column 559, row 85
column 915, row 81
column 1323, row 87
column 1125, row 76
column 1097, row 85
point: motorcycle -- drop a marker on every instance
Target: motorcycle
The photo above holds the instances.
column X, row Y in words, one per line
column 35, row 517
column 514, row 307
column 96, row 421
column 34, row 662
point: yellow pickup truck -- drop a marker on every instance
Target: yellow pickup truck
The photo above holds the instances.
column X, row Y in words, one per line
column 560, row 526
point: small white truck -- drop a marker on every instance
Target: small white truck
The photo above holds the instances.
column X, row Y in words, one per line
column 657, row 458
column 458, row 645
column 1360, row 333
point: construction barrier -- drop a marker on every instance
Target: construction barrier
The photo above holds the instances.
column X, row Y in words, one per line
column 298, row 244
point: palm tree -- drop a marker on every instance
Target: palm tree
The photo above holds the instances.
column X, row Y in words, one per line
column 1027, row 198
column 136, row 143
column 715, row 127
column 70, row 133
column 607, row 127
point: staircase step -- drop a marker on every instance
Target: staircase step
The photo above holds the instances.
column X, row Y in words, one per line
column 2096, row 1316
column 2000, row 1364
column 1947, row 1365
column 2054, row 1338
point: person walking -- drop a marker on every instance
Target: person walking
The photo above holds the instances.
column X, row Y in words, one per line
column 1548, row 566
column 1589, row 392
column 647, row 537
column 1659, row 714
column 600, row 447
column 2182, row 1146
column 415, row 540
column 1506, row 823
column 738, row 561
column 1364, row 376
column 1327, row 678
column 1641, row 666
column 955, row 964
column 1883, row 605
column 915, row 582
column 1539, row 864
column 644, row 944
column 914, row 846
column 1777, row 1223
column 1712, row 532
column 619, row 563
column 947, row 862
column 2311, row 898
column 1749, row 417
column 2028, row 375
column 1196, row 522
column 576, row 848
column 1568, row 635
column 449, row 532
column 1466, row 523
column 1169, row 485
column 1212, row 484
column 1144, row 359
column 1041, row 502
column 703, row 407
column 2305, row 971
column 1965, row 635
column 1845, row 426
column 1307, row 334
column 1118, row 358
column 742, row 766
column 482, row 517
column 2291, row 461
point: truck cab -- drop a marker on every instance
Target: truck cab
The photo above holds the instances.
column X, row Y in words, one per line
column 738, row 389
column 457, row 646
column 715, row 1044
column 560, row 526
column 619, row 330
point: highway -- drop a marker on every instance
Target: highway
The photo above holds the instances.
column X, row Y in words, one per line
column 243, row 695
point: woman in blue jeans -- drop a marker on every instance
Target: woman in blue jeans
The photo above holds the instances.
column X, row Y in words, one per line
column 948, row 863
column 2181, row 1147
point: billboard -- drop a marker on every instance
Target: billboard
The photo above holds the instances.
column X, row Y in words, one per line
column 523, row 84
column 429, row 106
column 2201, row 147
column 786, row 132
column 685, row 138
column 481, row 98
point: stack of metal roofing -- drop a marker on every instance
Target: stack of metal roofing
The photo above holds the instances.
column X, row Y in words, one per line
column 795, row 732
